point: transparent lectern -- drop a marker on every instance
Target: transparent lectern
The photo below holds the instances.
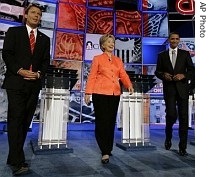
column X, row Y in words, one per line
column 54, row 109
column 135, row 114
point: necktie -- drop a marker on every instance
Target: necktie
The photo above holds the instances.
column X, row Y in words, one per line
column 32, row 41
column 32, row 44
column 173, row 57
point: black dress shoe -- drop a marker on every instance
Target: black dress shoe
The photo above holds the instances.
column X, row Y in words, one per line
column 105, row 159
column 183, row 152
column 167, row 144
column 20, row 171
column 24, row 164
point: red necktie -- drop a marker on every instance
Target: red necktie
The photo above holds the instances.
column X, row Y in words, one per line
column 32, row 44
column 32, row 41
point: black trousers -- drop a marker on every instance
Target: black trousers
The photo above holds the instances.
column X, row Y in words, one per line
column 177, row 107
column 21, row 108
column 105, row 107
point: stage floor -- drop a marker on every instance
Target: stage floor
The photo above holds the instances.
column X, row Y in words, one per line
column 85, row 159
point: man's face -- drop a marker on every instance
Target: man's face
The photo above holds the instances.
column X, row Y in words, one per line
column 33, row 17
column 174, row 40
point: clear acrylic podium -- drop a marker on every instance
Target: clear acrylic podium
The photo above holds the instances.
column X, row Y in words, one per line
column 53, row 117
column 135, row 128
column 54, row 111
column 135, row 115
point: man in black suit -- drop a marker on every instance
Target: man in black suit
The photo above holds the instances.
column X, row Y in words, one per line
column 175, row 89
column 25, row 70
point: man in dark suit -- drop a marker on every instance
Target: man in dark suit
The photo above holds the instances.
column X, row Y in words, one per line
column 175, row 89
column 25, row 70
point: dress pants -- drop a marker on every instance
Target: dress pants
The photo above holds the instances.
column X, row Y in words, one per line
column 105, row 107
column 21, row 108
column 175, row 104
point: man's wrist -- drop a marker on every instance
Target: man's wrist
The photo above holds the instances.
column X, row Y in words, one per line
column 39, row 74
column 19, row 70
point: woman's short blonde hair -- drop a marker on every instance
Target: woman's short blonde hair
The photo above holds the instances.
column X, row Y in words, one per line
column 103, row 39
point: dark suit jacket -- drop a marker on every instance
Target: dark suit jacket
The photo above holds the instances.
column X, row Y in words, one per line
column 184, row 65
column 17, row 54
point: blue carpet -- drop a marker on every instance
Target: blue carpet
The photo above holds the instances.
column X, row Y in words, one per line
column 85, row 159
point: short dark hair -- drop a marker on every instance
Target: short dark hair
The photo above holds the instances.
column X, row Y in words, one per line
column 32, row 5
column 174, row 32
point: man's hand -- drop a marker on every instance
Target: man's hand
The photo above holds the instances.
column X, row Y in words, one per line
column 178, row 77
column 28, row 75
column 168, row 76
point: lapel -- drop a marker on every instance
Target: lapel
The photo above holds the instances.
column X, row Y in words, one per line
column 24, row 37
column 178, row 58
column 27, row 39
column 168, row 60
column 38, row 41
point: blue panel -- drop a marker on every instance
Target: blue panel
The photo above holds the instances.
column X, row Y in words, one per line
column 150, row 53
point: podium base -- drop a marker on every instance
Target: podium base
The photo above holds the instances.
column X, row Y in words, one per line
column 46, row 150
column 136, row 147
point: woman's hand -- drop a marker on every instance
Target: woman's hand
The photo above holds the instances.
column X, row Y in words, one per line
column 87, row 99
column 131, row 90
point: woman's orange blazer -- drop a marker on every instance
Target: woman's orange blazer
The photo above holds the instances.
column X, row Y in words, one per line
column 105, row 75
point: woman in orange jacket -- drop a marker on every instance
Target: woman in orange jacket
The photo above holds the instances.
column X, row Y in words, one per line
column 103, row 84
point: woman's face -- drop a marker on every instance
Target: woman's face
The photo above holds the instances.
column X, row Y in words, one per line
column 109, row 45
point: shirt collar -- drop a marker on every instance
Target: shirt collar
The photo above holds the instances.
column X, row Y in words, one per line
column 29, row 30
column 170, row 49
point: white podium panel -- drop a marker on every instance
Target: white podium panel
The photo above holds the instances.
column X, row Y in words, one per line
column 54, row 116
column 135, row 118
column 191, row 110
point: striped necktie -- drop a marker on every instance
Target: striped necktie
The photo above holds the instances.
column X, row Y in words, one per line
column 32, row 41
